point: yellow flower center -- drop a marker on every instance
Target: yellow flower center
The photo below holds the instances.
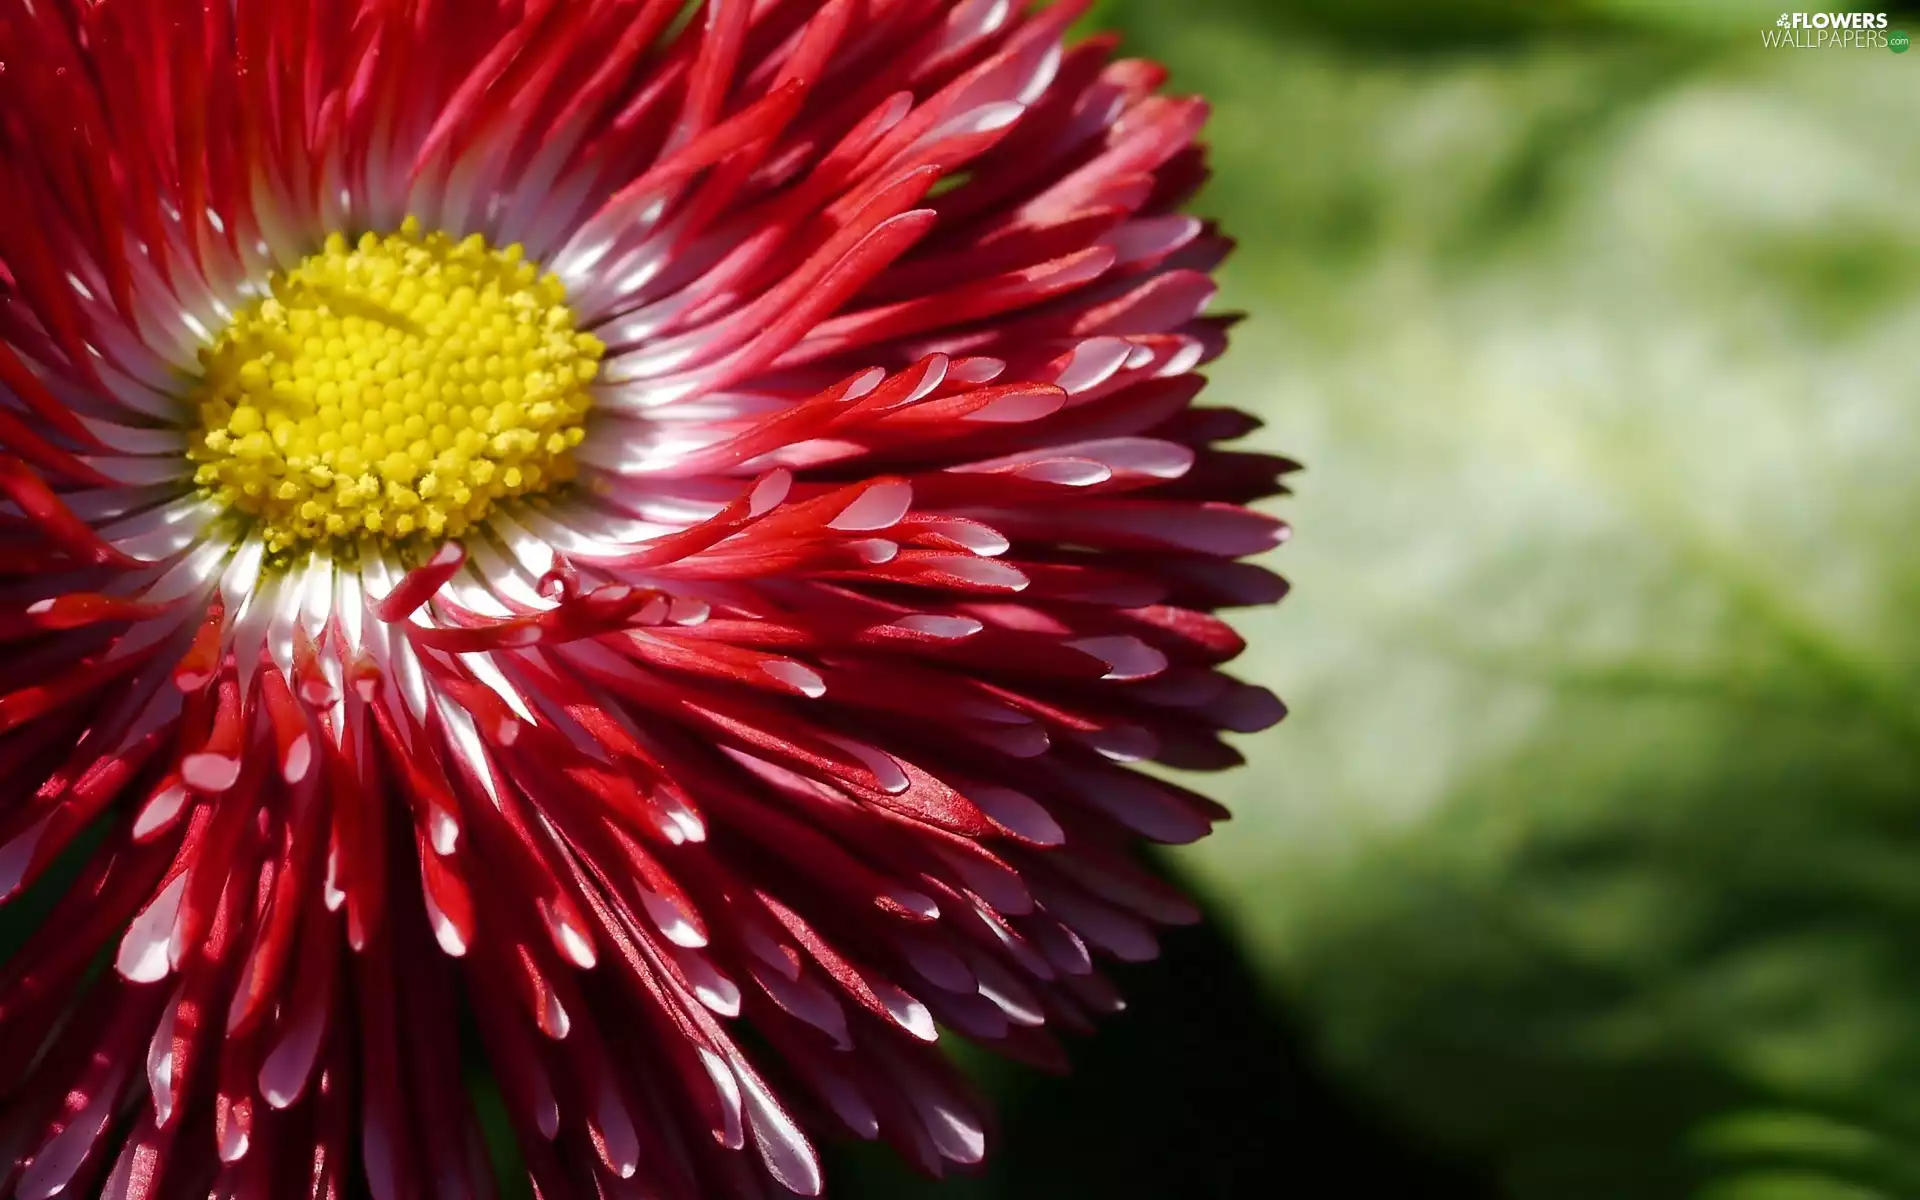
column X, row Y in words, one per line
column 401, row 387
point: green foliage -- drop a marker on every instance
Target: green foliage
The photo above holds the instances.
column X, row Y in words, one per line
column 1591, row 847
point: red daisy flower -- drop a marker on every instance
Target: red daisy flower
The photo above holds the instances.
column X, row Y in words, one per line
column 623, row 551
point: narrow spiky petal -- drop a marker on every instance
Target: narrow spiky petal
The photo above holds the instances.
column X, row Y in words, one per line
column 697, row 790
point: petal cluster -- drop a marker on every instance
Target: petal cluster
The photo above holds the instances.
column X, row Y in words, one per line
column 690, row 805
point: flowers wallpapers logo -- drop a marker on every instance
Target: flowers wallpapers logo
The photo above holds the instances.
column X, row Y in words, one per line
column 1827, row 30
column 644, row 552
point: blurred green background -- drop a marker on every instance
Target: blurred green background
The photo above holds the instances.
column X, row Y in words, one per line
column 1589, row 864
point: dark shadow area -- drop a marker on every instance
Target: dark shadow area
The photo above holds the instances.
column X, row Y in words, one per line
column 1201, row 1090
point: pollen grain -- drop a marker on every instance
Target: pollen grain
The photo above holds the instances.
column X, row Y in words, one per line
column 400, row 386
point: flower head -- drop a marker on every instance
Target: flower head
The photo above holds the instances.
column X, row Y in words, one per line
column 622, row 552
